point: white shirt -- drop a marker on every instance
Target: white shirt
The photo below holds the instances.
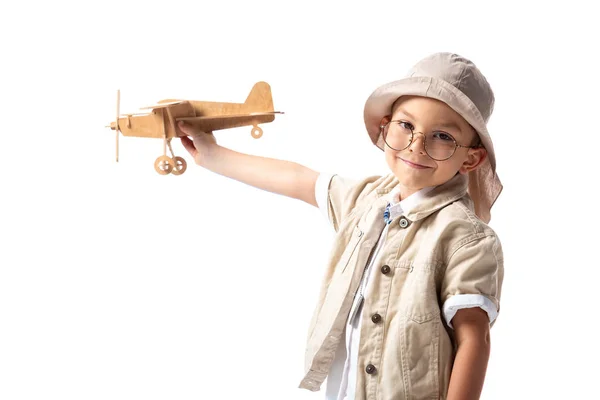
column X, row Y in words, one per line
column 341, row 381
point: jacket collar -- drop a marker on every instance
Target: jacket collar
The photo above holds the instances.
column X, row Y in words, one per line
column 399, row 207
column 426, row 201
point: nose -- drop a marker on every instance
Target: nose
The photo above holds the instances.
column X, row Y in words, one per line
column 420, row 147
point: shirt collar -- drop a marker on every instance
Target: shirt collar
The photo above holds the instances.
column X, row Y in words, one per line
column 405, row 206
column 428, row 203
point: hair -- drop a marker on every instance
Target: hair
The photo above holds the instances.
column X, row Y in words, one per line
column 476, row 140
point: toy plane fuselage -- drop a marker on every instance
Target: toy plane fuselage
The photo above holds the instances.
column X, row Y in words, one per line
column 161, row 120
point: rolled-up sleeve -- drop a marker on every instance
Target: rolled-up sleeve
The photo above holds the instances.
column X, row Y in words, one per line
column 473, row 278
column 322, row 193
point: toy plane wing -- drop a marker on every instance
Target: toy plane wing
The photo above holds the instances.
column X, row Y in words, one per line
column 217, row 122
column 231, row 116
column 163, row 105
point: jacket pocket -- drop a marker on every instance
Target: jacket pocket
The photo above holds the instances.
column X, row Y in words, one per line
column 421, row 351
column 422, row 325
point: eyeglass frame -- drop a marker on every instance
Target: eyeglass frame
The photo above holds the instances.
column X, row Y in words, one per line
column 412, row 138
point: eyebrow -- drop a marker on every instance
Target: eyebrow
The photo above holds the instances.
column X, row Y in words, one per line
column 441, row 125
column 450, row 125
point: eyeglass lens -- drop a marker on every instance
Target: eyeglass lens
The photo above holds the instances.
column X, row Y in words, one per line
column 438, row 145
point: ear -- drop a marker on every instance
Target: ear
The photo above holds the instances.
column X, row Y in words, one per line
column 475, row 157
column 384, row 121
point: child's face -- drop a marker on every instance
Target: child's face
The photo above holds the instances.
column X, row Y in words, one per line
column 413, row 167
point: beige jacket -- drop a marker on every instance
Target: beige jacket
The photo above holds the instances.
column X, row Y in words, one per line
column 437, row 250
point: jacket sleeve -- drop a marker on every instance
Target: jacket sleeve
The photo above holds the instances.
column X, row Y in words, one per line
column 473, row 278
column 337, row 196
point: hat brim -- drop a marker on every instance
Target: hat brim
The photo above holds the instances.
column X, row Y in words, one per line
column 379, row 105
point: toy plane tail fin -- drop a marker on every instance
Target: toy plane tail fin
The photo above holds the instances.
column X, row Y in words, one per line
column 260, row 99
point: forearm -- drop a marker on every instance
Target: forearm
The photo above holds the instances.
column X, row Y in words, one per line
column 277, row 176
column 468, row 372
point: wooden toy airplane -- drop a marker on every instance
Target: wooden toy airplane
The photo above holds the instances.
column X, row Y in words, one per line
column 161, row 121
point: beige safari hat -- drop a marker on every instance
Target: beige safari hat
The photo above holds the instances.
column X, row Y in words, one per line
column 457, row 82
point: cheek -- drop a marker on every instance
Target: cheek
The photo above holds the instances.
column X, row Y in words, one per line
column 447, row 169
column 390, row 157
column 457, row 163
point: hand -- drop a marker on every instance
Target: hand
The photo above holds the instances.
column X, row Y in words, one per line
column 200, row 143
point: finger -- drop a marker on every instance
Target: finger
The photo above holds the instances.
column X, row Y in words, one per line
column 186, row 128
column 189, row 146
column 190, row 130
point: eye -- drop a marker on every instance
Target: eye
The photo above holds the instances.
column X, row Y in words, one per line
column 443, row 136
column 406, row 125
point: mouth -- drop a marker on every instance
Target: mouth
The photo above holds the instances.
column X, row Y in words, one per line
column 414, row 165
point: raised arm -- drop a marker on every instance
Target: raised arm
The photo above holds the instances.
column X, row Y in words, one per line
column 277, row 176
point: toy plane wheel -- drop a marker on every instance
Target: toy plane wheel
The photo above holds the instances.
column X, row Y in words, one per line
column 179, row 165
column 164, row 165
column 256, row 132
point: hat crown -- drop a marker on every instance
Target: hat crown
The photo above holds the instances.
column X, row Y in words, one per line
column 460, row 73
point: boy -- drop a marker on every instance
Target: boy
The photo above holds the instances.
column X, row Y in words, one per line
column 413, row 282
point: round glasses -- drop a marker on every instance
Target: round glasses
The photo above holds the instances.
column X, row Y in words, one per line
column 439, row 145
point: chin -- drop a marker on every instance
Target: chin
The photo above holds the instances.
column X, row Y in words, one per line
column 412, row 184
column 410, row 180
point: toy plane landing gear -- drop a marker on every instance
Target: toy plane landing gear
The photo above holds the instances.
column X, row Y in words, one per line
column 161, row 121
column 165, row 165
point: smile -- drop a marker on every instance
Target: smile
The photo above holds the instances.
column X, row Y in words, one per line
column 414, row 165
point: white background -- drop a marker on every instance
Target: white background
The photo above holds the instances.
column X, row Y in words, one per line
column 119, row 283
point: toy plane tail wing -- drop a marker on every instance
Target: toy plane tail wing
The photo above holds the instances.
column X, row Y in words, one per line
column 260, row 98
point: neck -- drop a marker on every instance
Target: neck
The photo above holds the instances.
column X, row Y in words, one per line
column 406, row 191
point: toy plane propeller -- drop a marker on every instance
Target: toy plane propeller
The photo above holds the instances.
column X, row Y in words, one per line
column 160, row 121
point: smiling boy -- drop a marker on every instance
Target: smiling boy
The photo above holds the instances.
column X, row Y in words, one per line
column 413, row 282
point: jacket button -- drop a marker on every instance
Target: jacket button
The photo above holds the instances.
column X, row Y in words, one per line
column 385, row 269
column 403, row 222
column 371, row 369
column 376, row 318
